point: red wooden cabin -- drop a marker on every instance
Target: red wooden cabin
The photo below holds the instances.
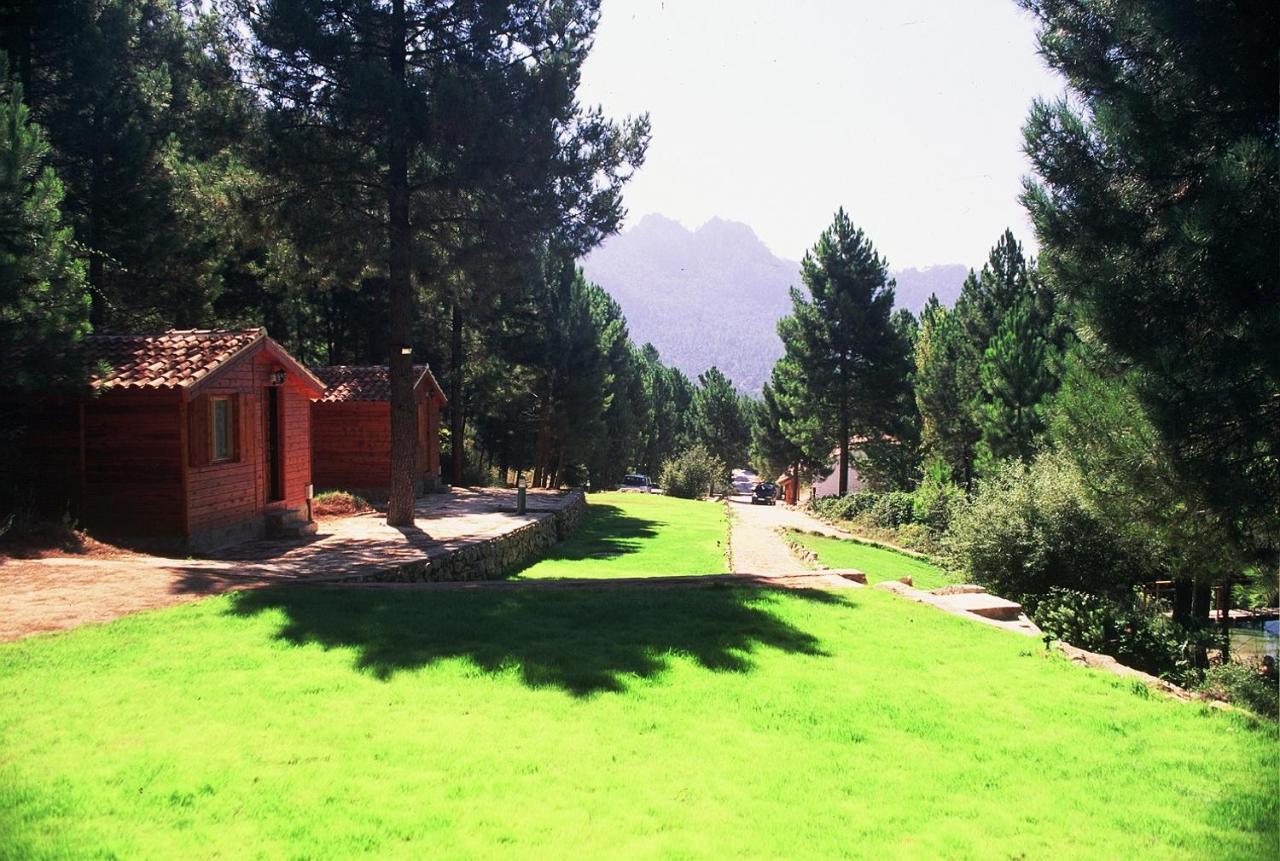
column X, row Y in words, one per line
column 199, row 436
column 351, row 430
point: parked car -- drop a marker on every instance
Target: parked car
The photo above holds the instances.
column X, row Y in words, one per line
column 765, row 493
column 636, row 483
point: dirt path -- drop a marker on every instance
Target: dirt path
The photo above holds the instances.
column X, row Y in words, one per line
column 52, row 594
column 41, row 595
column 757, row 547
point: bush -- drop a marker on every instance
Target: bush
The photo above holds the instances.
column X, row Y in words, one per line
column 844, row 507
column 868, row 508
column 1031, row 529
column 691, row 474
column 936, row 497
column 1244, row 686
column 893, row 509
column 1133, row 630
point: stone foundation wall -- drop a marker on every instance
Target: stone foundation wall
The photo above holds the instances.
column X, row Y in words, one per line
column 490, row 559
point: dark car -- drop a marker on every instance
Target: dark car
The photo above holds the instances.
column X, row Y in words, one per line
column 765, row 493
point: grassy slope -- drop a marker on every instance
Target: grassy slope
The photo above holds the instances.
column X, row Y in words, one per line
column 640, row 535
column 691, row 724
column 877, row 563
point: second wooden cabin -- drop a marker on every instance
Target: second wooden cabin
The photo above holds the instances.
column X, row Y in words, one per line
column 351, row 430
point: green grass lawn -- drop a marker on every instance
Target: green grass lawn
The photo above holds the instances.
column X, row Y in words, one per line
column 878, row 563
column 713, row 723
column 640, row 535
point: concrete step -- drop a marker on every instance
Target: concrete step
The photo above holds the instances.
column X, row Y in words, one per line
column 289, row 523
column 982, row 604
column 849, row 574
column 296, row 529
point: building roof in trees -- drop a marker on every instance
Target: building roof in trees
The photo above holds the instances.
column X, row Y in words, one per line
column 371, row 383
column 181, row 359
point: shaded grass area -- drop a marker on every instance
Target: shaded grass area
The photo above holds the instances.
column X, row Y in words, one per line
column 708, row 723
column 639, row 535
column 878, row 563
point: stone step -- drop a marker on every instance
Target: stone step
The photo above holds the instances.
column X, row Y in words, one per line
column 982, row 604
column 296, row 529
column 849, row 574
column 288, row 523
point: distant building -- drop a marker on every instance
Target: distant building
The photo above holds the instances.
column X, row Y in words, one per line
column 829, row 483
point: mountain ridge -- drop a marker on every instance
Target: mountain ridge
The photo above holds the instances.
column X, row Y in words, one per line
column 713, row 295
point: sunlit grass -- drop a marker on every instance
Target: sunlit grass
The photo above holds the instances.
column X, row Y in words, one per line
column 703, row 723
column 640, row 535
column 878, row 563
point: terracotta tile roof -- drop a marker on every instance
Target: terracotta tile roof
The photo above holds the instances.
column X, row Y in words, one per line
column 179, row 358
column 365, row 382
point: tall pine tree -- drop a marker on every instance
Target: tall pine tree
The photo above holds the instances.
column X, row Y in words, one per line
column 947, row 427
column 44, row 303
column 851, row 361
column 442, row 123
column 1155, row 205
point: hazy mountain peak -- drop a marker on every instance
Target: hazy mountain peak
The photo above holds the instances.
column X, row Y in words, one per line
column 712, row 296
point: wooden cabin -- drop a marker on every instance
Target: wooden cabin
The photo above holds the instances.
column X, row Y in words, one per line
column 351, row 430
column 203, row 437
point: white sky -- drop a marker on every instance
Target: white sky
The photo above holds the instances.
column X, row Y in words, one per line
column 775, row 112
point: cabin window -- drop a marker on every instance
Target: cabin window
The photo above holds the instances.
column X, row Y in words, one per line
column 222, row 430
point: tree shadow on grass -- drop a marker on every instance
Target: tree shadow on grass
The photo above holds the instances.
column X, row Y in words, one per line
column 580, row 641
column 606, row 531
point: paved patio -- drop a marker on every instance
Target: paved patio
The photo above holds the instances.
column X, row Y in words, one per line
column 38, row 595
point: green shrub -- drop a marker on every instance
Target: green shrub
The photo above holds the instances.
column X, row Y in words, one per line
column 691, row 474
column 848, row 507
column 1031, row 529
column 868, row 508
column 936, row 497
column 1244, row 686
column 1133, row 630
column 893, row 509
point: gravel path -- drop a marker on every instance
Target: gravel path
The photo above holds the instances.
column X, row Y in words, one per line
column 757, row 547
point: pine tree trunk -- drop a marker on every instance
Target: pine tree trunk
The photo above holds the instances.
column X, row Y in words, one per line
column 404, row 415
column 542, row 451
column 844, row 451
column 1183, row 594
column 457, row 418
column 1224, row 617
column 1203, row 598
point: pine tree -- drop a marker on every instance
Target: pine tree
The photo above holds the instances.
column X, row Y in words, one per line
column 447, row 126
column 718, row 419
column 44, row 304
column 850, row 360
column 140, row 119
column 1155, row 205
column 947, row 427
column 1008, row 308
column 1018, row 377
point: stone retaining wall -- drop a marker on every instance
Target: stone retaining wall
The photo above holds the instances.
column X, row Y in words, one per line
column 490, row 559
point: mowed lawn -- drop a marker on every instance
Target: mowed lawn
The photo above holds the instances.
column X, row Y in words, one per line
column 877, row 563
column 640, row 535
column 711, row 723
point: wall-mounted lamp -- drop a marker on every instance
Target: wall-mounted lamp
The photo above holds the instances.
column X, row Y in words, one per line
column 406, row 351
column 277, row 377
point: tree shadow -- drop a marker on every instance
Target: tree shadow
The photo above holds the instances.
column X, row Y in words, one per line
column 582, row 642
column 606, row 531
